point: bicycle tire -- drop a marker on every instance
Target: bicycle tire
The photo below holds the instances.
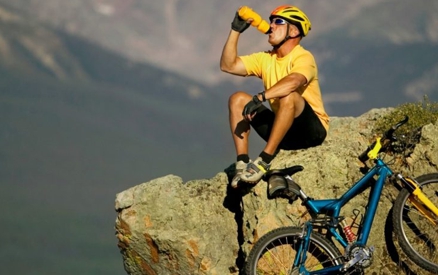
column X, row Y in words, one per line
column 274, row 252
column 417, row 236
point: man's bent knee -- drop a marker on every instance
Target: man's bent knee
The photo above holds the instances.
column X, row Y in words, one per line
column 239, row 99
column 294, row 102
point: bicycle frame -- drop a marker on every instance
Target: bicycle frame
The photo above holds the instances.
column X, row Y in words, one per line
column 332, row 208
column 325, row 213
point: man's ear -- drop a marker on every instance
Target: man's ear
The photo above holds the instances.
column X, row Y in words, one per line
column 293, row 31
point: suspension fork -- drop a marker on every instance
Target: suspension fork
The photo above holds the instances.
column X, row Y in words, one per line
column 419, row 200
column 301, row 255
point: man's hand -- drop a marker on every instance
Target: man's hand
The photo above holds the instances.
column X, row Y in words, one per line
column 250, row 109
column 238, row 24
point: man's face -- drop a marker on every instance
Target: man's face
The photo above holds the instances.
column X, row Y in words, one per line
column 279, row 30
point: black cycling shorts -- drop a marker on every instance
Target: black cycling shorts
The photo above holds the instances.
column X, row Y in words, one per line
column 306, row 130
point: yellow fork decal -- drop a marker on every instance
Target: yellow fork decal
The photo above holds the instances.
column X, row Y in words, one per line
column 423, row 204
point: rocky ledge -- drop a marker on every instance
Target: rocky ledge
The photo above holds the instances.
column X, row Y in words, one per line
column 167, row 226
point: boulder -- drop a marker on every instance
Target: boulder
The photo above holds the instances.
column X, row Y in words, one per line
column 167, row 226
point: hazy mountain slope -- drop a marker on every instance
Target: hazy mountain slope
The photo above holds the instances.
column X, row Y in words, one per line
column 106, row 90
column 192, row 32
column 80, row 124
column 188, row 37
column 358, row 78
column 379, row 61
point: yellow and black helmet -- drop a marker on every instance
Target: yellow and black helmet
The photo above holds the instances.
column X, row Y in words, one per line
column 294, row 16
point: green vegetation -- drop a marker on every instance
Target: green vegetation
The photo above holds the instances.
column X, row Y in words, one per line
column 420, row 114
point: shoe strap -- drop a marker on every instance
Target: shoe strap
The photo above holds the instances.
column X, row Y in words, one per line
column 255, row 168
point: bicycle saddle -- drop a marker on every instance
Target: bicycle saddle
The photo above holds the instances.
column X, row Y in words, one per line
column 280, row 186
column 284, row 171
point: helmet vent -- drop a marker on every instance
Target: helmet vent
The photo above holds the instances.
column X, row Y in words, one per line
column 297, row 18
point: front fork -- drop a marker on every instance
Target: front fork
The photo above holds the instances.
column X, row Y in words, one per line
column 419, row 200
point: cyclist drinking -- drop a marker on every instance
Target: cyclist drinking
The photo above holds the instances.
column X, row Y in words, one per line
column 296, row 118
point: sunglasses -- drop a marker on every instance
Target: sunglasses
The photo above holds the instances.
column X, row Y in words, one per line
column 279, row 21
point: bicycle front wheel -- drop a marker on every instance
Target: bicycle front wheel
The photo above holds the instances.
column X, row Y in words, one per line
column 416, row 234
column 275, row 252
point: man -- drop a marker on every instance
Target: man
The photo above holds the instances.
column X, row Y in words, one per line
column 297, row 118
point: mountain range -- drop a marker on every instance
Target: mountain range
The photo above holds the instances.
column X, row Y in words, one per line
column 99, row 95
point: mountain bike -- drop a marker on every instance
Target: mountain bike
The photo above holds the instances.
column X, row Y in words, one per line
column 312, row 249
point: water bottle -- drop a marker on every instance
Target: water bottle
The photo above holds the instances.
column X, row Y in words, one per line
column 246, row 13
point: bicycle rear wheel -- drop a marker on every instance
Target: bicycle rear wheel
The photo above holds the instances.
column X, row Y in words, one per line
column 274, row 253
column 418, row 236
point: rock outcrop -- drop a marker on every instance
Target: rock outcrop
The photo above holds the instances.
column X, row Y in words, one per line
column 167, row 226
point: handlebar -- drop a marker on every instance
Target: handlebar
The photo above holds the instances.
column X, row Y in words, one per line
column 387, row 136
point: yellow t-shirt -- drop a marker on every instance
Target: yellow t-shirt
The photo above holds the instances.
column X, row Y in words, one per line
column 270, row 68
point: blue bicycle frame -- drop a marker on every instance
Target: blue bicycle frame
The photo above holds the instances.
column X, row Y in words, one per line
column 332, row 208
